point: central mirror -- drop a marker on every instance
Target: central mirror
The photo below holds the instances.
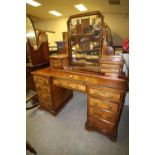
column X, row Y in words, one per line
column 85, row 39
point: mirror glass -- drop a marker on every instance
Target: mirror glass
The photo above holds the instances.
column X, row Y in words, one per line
column 85, row 40
column 30, row 32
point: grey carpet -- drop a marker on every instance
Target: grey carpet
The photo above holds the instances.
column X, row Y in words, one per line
column 65, row 134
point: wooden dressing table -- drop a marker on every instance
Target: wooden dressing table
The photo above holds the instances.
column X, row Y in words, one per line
column 97, row 75
column 105, row 96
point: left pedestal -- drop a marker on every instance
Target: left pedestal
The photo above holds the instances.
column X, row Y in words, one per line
column 51, row 98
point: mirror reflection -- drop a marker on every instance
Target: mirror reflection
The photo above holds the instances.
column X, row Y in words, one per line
column 30, row 32
column 85, row 39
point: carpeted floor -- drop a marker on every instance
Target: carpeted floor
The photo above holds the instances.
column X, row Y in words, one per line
column 65, row 134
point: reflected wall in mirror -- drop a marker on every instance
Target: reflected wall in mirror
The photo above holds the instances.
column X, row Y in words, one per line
column 85, row 38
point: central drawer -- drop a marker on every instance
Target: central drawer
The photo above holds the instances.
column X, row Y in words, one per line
column 79, row 78
column 69, row 84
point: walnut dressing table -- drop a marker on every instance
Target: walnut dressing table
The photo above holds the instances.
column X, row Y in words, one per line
column 85, row 68
column 105, row 96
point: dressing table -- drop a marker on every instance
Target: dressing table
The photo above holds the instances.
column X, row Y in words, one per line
column 87, row 69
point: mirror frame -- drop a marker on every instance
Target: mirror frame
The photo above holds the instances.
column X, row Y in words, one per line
column 28, row 16
column 69, row 34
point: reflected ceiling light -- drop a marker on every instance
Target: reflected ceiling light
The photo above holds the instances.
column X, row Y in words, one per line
column 80, row 7
column 33, row 3
column 55, row 13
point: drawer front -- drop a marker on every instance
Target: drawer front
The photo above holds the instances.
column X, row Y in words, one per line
column 111, row 66
column 108, row 116
column 56, row 63
column 103, row 70
column 59, row 63
column 73, row 76
column 45, row 104
column 65, row 62
column 77, row 77
column 101, row 125
column 41, row 80
column 42, row 88
column 105, row 93
column 103, row 104
column 69, row 84
column 44, row 96
column 43, row 92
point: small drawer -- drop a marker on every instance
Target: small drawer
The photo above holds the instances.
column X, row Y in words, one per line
column 104, row 126
column 103, row 104
column 56, row 63
column 41, row 80
column 100, row 114
column 43, row 88
column 105, row 70
column 69, row 84
column 59, row 62
column 105, row 93
column 112, row 66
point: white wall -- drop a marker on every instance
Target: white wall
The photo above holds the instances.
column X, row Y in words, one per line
column 57, row 25
column 118, row 23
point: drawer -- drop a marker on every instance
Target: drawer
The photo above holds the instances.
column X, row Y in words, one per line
column 59, row 62
column 73, row 76
column 104, row 70
column 77, row 77
column 41, row 80
column 44, row 96
column 104, row 126
column 69, row 84
column 45, row 104
column 56, row 63
column 111, row 66
column 106, row 93
column 42, row 88
column 100, row 114
column 103, row 104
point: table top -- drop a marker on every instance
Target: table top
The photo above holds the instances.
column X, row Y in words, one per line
column 85, row 77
